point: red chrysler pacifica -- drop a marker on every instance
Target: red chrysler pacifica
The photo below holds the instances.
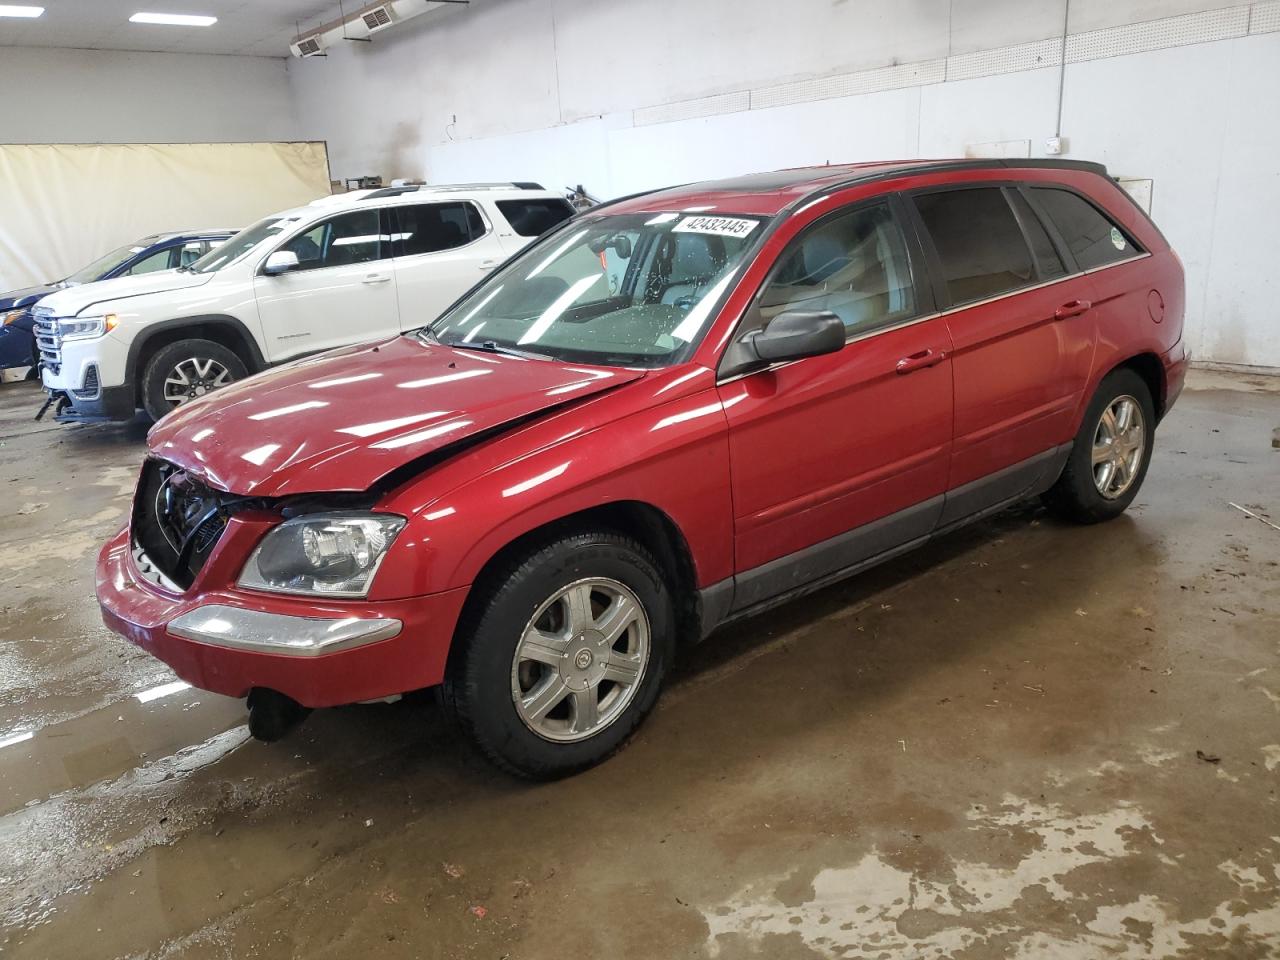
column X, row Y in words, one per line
column 669, row 412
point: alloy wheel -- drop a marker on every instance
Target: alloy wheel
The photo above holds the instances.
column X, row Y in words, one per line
column 1119, row 444
column 580, row 660
column 194, row 377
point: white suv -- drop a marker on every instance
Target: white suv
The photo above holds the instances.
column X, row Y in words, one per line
column 343, row 269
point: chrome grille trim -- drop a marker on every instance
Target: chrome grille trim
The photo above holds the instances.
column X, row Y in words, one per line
column 48, row 342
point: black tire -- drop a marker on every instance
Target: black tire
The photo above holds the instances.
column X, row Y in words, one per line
column 478, row 690
column 168, row 357
column 1075, row 496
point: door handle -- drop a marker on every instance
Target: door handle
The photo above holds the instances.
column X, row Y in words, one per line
column 921, row 360
column 376, row 278
column 1072, row 308
column 488, row 264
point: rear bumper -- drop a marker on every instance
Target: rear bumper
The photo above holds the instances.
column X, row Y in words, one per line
column 364, row 666
column 1175, row 362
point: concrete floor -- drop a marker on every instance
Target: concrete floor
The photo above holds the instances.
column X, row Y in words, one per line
column 1027, row 740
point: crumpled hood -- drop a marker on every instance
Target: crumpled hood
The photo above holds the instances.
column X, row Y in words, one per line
column 16, row 298
column 341, row 421
column 72, row 300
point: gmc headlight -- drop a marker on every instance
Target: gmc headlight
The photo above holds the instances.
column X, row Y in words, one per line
column 325, row 554
column 86, row 328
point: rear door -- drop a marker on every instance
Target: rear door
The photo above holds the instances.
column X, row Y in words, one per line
column 343, row 290
column 840, row 457
column 442, row 249
column 1023, row 338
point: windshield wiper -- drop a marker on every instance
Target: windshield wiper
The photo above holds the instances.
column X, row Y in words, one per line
column 491, row 346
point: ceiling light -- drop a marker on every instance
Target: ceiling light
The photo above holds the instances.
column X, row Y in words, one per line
column 173, row 19
column 7, row 10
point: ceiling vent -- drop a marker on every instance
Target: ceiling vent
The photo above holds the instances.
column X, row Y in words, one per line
column 307, row 47
column 377, row 18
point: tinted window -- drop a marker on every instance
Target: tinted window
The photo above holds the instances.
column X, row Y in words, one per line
column 431, row 227
column 157, row 261
column 349, row 238
column 978, row 241
column 1046, row 254
column 534, row 217
column 853, row 264
column 1090, row 236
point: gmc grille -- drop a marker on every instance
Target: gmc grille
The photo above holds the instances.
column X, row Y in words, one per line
column 48, row 342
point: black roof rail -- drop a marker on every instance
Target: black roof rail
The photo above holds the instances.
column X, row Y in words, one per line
column 389, row 192
column 527, row 185
column 910, row 169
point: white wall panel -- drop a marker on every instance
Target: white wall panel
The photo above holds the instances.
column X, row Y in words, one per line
column 1012, row 107
column 1241, row 283
column 1177, row 139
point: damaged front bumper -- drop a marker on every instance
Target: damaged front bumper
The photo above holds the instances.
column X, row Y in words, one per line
column 230, row 641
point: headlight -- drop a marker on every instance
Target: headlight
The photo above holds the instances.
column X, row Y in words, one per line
column 12, row 315
column 326, row 554
column 85, row 328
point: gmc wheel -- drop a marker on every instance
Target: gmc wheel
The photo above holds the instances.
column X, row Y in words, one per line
column 186, row 370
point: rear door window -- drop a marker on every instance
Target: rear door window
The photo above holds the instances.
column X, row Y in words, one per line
column 432, row 227
column 1047, row 257
column 535, row 216
column 1091, row 236
column 980, row 247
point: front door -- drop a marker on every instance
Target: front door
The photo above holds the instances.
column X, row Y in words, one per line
column 841, row 457
column 342, row 291
column 442, row 250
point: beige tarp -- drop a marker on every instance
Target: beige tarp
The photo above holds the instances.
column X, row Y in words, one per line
column 64, row 205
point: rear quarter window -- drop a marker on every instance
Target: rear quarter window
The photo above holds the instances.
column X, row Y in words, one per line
column 535, row 216
column 1093, row 238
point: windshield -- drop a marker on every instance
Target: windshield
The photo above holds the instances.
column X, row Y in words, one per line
column 239, row 245
column 629, row 289
column 104, row 265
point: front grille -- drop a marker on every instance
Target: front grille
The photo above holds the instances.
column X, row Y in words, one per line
column 48, row 342
column 177, row 521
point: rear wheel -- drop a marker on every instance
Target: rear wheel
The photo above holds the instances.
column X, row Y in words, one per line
column 563, row 654
column 1109, row 458
column 187, row 370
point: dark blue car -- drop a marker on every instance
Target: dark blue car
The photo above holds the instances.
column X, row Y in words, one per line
column 160, row 251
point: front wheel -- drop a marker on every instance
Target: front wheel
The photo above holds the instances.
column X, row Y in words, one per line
column 1112, row 450
column 187, row 370
column 562, row 654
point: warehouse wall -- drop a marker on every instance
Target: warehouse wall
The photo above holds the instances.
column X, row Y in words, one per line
column 107, row 96
column 626, row 97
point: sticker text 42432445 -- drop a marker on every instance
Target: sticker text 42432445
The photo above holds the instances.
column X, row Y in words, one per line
column 719, row 226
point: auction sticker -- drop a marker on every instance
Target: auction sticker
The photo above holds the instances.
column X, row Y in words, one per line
column 719, row 226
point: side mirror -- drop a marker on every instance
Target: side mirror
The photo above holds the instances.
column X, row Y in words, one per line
column 796, row 334
column 282, row 261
